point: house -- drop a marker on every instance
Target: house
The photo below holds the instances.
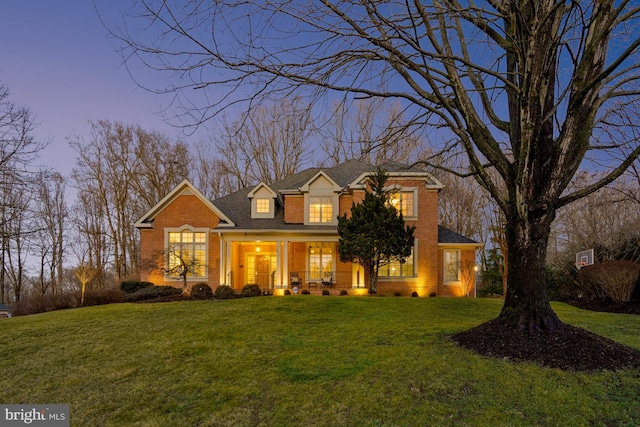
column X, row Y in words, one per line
column 5, row 311
column 284, row 235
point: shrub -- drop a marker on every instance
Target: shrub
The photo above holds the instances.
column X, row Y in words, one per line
column 615, row 279
column 344, row 292
column 287, row 292
column 152, row 292
column 225, row 292
column 432, row 294
column 201, row 291
column 414, row 294
column 131, row 286
column 251, row 290
column 326, row 292
column 306, row 292
column 42, row 303
column 105, row 296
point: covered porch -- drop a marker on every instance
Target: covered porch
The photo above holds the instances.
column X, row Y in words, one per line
column 286, row 262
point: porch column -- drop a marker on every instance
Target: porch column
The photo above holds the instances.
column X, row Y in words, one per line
column 227, row 262
column 277, row 279
column 285, row 264
column 222, row 266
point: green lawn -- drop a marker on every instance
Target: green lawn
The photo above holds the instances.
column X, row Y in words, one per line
column 301, row 360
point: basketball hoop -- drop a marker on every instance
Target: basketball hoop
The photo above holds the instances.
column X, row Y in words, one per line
column 584, row 259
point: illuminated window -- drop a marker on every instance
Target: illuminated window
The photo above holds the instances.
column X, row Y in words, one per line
column 320, row 209
column 451, row 266
column 398, row 269
column 320, row 260
column 187, row 248
column 403, row 201
column 263, row 205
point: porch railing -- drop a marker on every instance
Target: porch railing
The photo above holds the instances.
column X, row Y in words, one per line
column 311, row 280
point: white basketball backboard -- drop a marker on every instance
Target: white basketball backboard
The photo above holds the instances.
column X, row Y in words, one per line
column 584, row 258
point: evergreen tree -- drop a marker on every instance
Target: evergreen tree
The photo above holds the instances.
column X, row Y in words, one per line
column 375, row 234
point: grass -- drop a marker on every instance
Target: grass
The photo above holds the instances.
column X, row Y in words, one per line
column 303, row 360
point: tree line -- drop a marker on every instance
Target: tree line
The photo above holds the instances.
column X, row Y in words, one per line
column 122, row 170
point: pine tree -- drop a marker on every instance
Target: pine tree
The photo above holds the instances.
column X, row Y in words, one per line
column 375, row 234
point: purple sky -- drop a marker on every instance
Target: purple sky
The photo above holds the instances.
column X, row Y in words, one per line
column 56, row 60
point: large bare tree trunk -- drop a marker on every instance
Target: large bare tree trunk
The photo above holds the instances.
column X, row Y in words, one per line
column 526, row 305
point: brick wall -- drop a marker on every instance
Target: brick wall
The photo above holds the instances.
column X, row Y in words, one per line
column 183, row 210
column 294, row 209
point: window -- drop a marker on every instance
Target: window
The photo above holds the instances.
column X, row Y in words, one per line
column 451, row 266
column 263, row 205
column 403, row 201
column 320, row 260
column 398, row 269
column 190, row 248
column 320, row 209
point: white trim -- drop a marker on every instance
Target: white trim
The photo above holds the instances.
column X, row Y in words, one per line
column 305, row 187
column 397, row 188
column 360, row 182
column 444, row 267
column 187, row 227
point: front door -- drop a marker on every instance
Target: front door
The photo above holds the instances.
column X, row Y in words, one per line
column 263, row 270
column 259, row 269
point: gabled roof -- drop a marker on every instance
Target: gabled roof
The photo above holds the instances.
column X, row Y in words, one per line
column 258, row 187
column 398, row 169
column 185, row 187
column 336, row 187
column 446, row 236
column 237, row 207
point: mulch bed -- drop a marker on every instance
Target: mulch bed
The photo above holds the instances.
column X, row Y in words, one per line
column 570, row 349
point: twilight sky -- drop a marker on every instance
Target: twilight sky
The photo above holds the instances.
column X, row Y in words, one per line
column 56, row 60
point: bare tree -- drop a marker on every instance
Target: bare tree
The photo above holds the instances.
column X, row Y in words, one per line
column 463, row 206
column 50, row 226
column 18, row 149
column 530, row 90
column 16, row 252
column 85, row 273
column 90, row 238
column 209, row 173
column 372, row 131
column 267, row 144
column 121, row 172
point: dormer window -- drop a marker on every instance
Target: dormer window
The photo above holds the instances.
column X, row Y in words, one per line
column 263, row 202
column 263, row 206
column 320, row 209
column 321, row 195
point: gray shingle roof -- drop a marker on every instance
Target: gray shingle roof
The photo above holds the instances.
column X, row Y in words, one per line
column 447, row 236
column 237, row 206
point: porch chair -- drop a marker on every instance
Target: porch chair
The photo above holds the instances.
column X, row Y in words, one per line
column 327, row 280
column 294, row 279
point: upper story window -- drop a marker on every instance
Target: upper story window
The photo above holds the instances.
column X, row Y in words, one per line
column 321, row 200
column 404, row 202
column 321, row 209
column 263, row 202
column 263, row 205
column 187, row 249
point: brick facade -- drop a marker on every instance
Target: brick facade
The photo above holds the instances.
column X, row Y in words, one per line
column 269, row 254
